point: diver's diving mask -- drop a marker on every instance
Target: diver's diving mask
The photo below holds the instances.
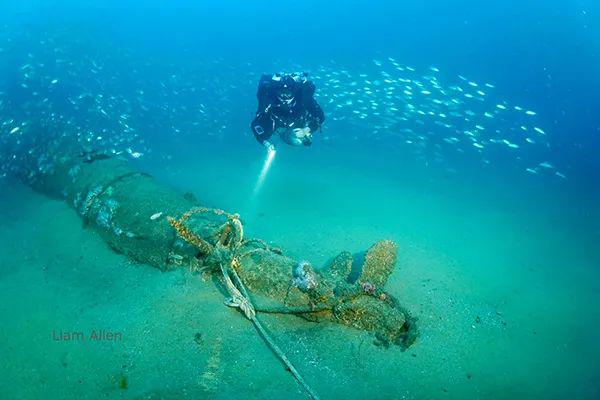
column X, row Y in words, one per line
column 286, row 98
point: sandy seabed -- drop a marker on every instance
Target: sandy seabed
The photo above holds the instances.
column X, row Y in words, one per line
column 504, row 296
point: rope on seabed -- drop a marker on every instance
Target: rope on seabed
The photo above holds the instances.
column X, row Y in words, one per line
column 239, row 297
column 261, row 330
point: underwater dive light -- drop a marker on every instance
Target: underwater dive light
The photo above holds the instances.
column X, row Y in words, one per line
column 265, row 169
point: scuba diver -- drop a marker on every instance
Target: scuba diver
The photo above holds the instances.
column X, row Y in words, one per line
column 286, row 106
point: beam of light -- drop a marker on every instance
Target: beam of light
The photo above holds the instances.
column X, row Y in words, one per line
column 264, row 171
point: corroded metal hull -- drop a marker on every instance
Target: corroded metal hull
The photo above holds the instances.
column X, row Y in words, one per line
column 155, row 225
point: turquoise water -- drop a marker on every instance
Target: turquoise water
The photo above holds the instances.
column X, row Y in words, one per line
column 498, row 264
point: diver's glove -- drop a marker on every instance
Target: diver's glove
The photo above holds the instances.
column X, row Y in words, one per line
column 269, row 146
column 307, row 139
column 303, row 136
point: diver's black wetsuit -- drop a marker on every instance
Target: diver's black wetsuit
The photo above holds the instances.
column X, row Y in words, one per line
column 272, row 114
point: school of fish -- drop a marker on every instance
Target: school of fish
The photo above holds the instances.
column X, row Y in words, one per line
column 55, row 88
